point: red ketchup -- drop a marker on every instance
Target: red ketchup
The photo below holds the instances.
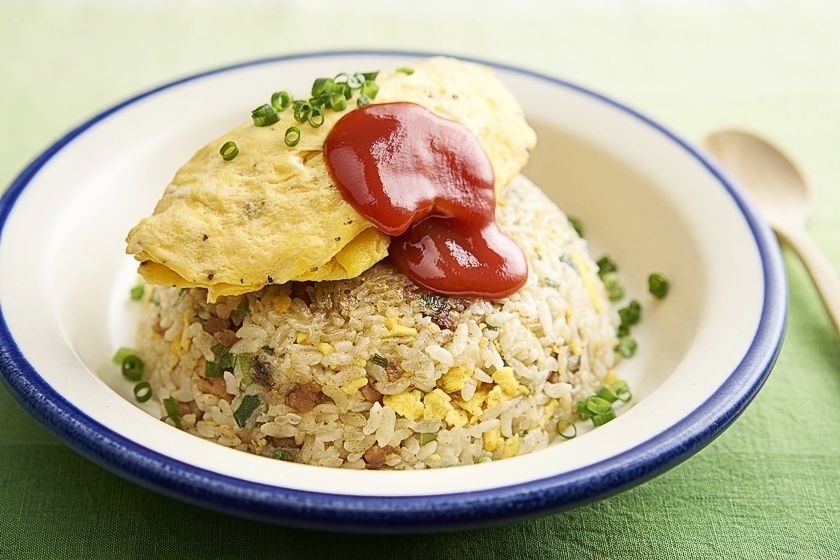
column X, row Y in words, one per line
column 426, row 182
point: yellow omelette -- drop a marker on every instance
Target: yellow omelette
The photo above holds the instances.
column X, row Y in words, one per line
column 273, row 214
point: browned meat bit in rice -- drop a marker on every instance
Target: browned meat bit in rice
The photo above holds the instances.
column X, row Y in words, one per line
column 373, row 372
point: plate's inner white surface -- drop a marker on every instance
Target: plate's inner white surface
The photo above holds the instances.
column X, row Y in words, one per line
column 64, row 277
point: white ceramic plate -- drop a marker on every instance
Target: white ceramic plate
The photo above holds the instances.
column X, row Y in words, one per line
column 650, row 199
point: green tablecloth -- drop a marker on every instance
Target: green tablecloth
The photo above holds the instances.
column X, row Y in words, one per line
column 767, row 488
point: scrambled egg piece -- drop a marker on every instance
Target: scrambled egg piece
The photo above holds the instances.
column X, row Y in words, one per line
column 407, row 404
column 272, row 214
column 455, row 379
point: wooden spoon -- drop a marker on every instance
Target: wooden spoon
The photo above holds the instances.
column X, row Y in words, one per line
column 785, row 200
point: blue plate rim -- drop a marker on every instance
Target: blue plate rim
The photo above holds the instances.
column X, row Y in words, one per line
column 407, row 513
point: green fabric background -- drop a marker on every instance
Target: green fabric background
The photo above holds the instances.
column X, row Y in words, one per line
column 767, row 488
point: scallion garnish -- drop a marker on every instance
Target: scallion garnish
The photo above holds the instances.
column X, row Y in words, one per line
column 631, row 314
column 606, row 394
column 143, row 391
column 246, row 409
column 370, row 76
column 379, row 360
column 224, row 362
column 301, row 110
column 316, row 117
column 576, row 225
column 292, row 136
column 601, row 419
column 626, row 346
column 597, row 405
column 229, row 150
column 615, row 291
column 406, row 70
column 281, row 100
column 264, row 115
column 122, row 353
column 622, row 391
column 244, row 362
column 171, row 408
column 369, row 89
column 356, row 80
column 132, row 367
column 605, row 265
column 320, row 85
column 658, row 285
column 425, row 438
column 338, row 102
column 563, row 426
column 281, row 455
column 320, row 101
column 138, row 290
column 244, row 307
column 341, row 78
column 362, row 100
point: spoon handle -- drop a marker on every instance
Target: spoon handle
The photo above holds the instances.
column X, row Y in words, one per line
column 824, row 276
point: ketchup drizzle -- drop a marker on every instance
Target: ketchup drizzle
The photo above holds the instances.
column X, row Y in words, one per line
column 426, row 182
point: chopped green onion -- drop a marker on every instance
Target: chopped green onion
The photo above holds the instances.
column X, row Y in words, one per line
column 605, row 265
column 485, row 459
column 281, row 100
column 658, row 285
column 426, row 438
column 143, row 391
column 406, row 70
column 301, row 110
column 292, row 136
column 362, row 101
column 224, row 362
column 626, row 346
column 563, row 426
column 229, row 150
column 622, row 391
column 264, row 115
column 597, row 405
column 121, row 354
column 583, row 411
column 244, row 307
column 338, row 102
column 606, row 394
column 631, row 314
column 244, row 362
column 601, row 419
column 138, row 290
column 576, row 225
column 615, row 291
column 370, row 76
column 369, row 89
column 379, row 360
column 246, row 409
column 281, row 455
column 132, row 367
column 356, row 80
column 268, row 350
column 344, row 89
column 321, row 85
column 320, row 101
column 171, row 408
column 316, row 117
column 341, row 78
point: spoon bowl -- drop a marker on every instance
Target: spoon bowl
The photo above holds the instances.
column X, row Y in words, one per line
column 784, row 198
